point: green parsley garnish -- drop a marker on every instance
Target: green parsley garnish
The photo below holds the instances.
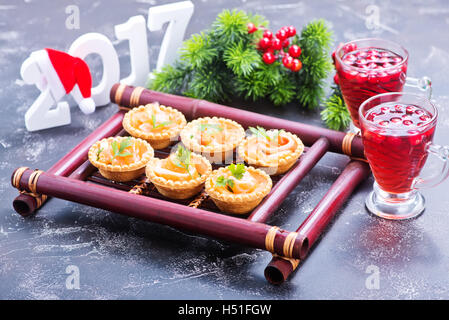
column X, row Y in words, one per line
column 237, row 171
column 223, row 182
column 162, row 124
column 261, row 132
column 119, row 148
column 182, row 159
column 98, row 153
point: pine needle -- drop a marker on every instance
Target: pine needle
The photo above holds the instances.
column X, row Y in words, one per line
column 336, row 114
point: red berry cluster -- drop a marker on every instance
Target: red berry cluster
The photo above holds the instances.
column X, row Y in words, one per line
column 277, row 47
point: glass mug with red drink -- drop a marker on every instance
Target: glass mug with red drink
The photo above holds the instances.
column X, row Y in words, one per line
column 367, row 67
column 397, row 132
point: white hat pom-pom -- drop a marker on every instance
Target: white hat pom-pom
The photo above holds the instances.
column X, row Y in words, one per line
column 87, row 105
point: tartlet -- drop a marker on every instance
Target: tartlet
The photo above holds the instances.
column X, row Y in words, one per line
column 238, row 193
column 215, row 138
column 157, row 124
column 121, row 158
column 179, row 176
column 274, row 151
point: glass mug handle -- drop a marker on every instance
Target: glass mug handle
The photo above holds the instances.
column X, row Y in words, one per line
column 423, row 84
column 441, row 152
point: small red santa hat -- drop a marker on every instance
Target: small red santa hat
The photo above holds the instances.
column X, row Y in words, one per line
column 71, row 71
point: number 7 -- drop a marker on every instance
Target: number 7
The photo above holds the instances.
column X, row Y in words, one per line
column 178, row 15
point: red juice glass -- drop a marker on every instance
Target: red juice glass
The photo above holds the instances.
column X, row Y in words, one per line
column 367, row 67
column 397, row 131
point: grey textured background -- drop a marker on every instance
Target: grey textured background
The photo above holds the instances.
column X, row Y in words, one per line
column 119, row 257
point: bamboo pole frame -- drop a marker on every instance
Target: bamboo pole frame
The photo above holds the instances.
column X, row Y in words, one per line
column 66, row 180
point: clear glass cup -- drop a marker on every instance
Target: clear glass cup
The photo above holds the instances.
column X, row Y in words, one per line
column 367, row 67
column 398, row 151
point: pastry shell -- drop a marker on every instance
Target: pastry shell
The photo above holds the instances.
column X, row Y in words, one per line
column 237, row 203
column 213, row 153
column 283, row 164
column 158, row 140
column 121, row 173
column 180, row 189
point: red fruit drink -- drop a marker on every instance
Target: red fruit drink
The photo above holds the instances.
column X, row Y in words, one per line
column 369, row 67
column 397, row 130
column 396, row 137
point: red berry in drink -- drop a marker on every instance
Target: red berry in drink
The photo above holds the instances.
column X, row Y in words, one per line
column 373, row 52
column 424, row 118
column 291, row 31
column 407, row 122
column 398, row 108
column 384, row 123
column 419, row 112
column 276, row 44
column 410, row 109
column 287, row 61
column 296, row 66
column 395, row 120
column 281, row 34
column 268, row 58
column 350, row 47
column 251, row 27
column 361, row 54
column 350, row 58
column 264, row 43
column 294, row 51
column 268, row 34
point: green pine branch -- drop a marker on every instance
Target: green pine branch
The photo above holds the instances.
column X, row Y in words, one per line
column 198, row 51
column 241, row 59
column 231, row 27
column 208, row 83
column 335, row 113
column 171, row 79
column 315, row 41
column 223, row 62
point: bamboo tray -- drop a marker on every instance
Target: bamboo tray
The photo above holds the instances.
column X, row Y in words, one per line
column 73, row 178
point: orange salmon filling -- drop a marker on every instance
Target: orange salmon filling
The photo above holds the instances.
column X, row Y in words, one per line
column 171, row 169
column 152, row 119
column 106, row 153
column 208, row 134
column 261, row 148
column 247, row 184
